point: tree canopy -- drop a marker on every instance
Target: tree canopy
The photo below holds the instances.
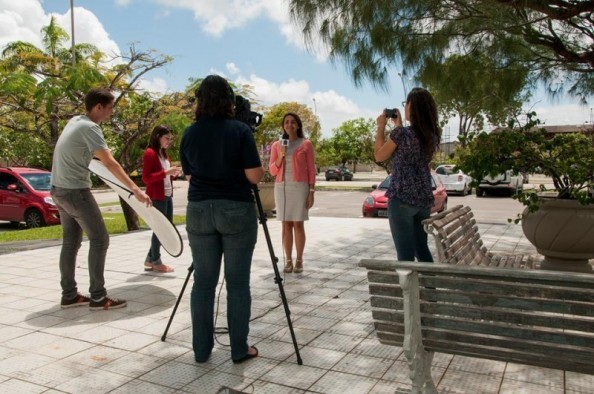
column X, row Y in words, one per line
column 460, row 87
column 553, row 39
column 271, row 127
column 353, row 141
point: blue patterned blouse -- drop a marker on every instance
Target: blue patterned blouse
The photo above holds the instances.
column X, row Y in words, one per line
column 411, row 175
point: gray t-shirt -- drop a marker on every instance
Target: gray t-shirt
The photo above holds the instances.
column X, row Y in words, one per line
column 74, row 152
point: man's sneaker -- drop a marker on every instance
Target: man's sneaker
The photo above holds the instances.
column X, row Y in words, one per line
column 107, row 303
column 79, row 300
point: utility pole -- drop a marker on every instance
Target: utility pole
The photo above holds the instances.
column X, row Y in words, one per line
column 401, row 75
column 315, row 107
column 72, row 29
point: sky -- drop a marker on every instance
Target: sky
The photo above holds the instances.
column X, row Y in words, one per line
column 247, row 41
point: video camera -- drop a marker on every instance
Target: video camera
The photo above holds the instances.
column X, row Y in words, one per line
column 244, row 113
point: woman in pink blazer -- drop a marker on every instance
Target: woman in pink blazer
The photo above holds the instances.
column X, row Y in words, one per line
column 294, row 168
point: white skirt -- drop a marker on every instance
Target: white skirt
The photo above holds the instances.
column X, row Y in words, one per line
column 290, row 199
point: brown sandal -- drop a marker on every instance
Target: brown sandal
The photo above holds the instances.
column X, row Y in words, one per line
column 298, row 266
column 289, row 266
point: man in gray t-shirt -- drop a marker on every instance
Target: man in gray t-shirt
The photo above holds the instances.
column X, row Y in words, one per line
column 80, row 140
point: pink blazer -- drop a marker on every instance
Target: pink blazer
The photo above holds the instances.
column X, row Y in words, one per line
column 304, row 169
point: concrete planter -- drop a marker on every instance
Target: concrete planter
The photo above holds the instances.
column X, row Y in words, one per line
column 266, row 191
column 563, row 232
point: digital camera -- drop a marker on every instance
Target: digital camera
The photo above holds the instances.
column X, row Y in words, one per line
column 391, row 113
column 244, row 113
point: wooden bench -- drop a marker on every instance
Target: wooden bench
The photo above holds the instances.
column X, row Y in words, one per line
column 458, row 241
column 534, row 317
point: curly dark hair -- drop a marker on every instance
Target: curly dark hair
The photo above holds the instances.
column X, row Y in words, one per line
column 424, row 120
column 215, row 98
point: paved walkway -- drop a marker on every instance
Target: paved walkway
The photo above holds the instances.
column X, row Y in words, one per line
column 44, row 349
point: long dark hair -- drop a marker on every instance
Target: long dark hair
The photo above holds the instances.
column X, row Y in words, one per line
column 155, row 144
column 299, row 123
column 424, row 120
column 215, row 98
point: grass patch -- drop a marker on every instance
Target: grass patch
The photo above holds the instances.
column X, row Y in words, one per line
column 345, row 188
column 110, row 204
column 115, row 223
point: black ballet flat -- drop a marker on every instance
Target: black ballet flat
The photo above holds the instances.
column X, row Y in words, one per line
column 247, row 356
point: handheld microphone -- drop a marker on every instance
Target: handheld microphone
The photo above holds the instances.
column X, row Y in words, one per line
column 285, row 139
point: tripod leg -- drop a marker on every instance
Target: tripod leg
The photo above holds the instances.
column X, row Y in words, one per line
column 181, row 293
column 277, row 278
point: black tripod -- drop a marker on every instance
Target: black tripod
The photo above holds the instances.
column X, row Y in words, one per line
column 277, row 279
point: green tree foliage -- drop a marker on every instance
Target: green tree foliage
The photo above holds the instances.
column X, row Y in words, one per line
column 548, row 37
column 271, row 128
column 40, row 90
column 353, row 141
column 326, row 156
column 460, row 87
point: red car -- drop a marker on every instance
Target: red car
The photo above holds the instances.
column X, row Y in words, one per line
column 25, row 197
column 376, row 204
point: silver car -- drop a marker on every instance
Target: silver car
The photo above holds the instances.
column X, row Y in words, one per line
column 455, row 181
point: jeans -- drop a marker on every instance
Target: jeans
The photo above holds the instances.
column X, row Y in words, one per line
column 407, row 231
column 79, row 212
column 229, row 229
column 166, row 208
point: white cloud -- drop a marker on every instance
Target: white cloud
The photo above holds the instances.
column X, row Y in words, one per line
column 21, row 21
column 155, row 86
column 88, row 29
column 123, row 3
column 217, row 16
column 232, row 68
column 332, row 108
column 550, row 115
column 565, row 114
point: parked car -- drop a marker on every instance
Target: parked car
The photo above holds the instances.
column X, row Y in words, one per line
column 339, row 174
column 25, row 197
column 455, row 181
column 376, row 203
column 508, row 182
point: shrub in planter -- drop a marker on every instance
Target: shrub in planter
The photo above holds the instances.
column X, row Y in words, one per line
column 567, row 158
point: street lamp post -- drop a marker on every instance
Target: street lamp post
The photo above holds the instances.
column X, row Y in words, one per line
column 401, row 75
column 315, row 107
column 72, row 29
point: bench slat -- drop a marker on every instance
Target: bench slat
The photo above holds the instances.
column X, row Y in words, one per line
column 505, row 335
column 502, row 288
column 508, row 355
column 555, row 321
column 386, row 302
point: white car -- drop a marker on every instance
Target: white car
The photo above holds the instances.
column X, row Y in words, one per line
column 508, row 182
column 454, row 181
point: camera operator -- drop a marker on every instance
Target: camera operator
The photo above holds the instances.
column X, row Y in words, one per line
column 220, row 159
column 410, row 193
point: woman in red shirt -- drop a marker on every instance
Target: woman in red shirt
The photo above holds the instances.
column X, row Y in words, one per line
column 294, row 168
column 158, row 175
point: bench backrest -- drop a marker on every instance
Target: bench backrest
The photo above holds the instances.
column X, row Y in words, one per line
column 534, row 317
column 457, row 239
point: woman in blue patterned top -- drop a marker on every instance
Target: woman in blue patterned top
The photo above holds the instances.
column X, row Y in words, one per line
column 410, row 194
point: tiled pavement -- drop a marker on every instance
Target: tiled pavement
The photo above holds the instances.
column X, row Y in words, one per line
column 44, row 349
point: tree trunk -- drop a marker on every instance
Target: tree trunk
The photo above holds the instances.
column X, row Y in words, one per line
column 130, row 215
